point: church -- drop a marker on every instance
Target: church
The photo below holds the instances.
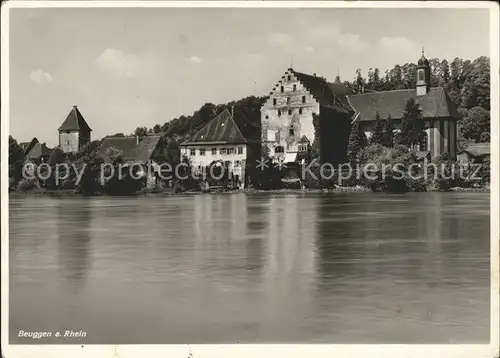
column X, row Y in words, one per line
column 303, row 109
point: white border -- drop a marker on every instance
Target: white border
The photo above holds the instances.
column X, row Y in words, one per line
column 257, row 350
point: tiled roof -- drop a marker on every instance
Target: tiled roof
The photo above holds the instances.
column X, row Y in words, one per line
column 130, row 150
column 38, row 150
column 477, row 149
column 227, row 129
column 27, row 146
column 74, row 121
column 435, row 104
column 328, row 94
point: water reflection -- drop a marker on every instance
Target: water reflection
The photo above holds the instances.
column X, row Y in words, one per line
column 74, row 240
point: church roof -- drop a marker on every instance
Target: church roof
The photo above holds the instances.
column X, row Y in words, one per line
column 435, row 104
column 74, row 122
column 227, row 128
column 328, row 94
column 131, row 151
column 27, row 146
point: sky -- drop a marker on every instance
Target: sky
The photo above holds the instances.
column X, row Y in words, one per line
column 126, row 68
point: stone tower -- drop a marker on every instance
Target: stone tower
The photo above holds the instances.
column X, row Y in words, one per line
column 74, row 133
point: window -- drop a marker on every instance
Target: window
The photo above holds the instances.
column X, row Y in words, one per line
column 202, row 151
column 294, row 87
column 423, row 143
column 274, row 101
column 240, row 150
column 279, row 112
column 192, row 152
column 303, row 99
column 282, row 89
column 279, row 149
column 300, row 110
column 277, row 136
column 421, row 75
column 291, row 132
column 214, row 151
column 223, row 151
column 288, row 100
column 227, row 163
column 289, row 112
column 237, row 163
column 302, row 148
column 289, row 77
column 230, row 150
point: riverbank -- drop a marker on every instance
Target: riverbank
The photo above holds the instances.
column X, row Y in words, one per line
column 353, row 189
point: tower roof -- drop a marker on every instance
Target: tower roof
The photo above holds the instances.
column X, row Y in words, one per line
column 423, row 61
column 74, row 122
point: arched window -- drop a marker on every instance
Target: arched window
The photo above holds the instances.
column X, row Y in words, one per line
column 294, row 87
column 424, row 145
column 300, row 110
column 282, row 89
column 291, row 131
column 421, row 75
column 289, row 112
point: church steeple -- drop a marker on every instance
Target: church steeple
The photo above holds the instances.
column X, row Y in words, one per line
column 423, row 75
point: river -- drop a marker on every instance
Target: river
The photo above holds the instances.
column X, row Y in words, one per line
column 252, row 268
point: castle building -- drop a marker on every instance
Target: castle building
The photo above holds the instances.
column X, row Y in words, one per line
column 303, row 110
column 74, row 133
column 300, row 109
column 230, row 138
column 438, row 111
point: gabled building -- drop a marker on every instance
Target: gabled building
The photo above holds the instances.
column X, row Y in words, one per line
column 147, row 152
column 475, row 153
column 304, row 108
column 231, row 138
column 27, row 146
column 74, row 133
column 39, row 153
column 438, row 111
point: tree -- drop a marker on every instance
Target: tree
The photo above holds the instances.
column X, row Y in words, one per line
column 444, row 73
column 337, row 79
column 378, row 130
column 387, row 139
column 141, row 131
column 357, row 141
column 157, row 128
column 475, row 125
column 412, row 125
column 16, row 161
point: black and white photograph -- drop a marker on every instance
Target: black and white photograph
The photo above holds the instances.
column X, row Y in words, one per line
column 255, row 173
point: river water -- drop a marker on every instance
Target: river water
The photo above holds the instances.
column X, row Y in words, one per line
column 252, row 268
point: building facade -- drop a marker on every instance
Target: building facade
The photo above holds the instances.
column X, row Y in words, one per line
column 74, row 133
column 300, row 109
column 230, row 139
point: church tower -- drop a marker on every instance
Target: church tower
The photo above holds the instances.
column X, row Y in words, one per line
column 423, row 75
